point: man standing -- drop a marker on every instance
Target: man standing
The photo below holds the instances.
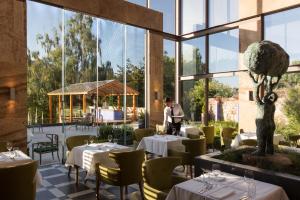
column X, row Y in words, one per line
column 173, row 115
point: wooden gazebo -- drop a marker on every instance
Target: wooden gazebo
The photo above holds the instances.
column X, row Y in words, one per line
column 104, row 88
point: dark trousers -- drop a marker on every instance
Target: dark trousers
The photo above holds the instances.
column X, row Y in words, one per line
column 177, row 126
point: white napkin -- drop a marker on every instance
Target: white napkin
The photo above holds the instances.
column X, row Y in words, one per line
column 222, row 193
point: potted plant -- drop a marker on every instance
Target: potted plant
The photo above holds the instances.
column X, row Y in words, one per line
column 141, row 119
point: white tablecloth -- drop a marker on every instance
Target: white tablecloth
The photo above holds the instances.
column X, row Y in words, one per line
column 18, row 157
column 184, row 130
column 250, row 135
column 159, row 144
column 233, row 185
column 86, row 156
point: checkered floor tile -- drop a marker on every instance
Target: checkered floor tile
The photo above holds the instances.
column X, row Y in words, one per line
column 57, row 185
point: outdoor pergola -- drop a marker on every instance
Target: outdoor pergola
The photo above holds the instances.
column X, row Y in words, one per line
column 100, row 88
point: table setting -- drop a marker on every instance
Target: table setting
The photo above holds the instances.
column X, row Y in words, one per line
column 15, row 157
column 215, row 185
column 86, row 156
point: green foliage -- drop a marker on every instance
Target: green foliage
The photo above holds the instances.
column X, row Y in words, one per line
column 117, row 132
column 292, row 104
column 169, row 75
column 219, row 124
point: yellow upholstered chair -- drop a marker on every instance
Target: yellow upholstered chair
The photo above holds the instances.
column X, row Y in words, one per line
column 126, row 171
column 74, row 141
column 226, row 136
column 18, row 180
column 249, row 142
column 158, row 178
column 209, row 132
column 3, row 146
column 193, row 148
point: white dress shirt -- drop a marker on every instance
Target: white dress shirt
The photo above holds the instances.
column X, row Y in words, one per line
column 177, row 111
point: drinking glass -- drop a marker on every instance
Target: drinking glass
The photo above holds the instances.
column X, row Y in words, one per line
column 86, row 142
column 115, row 140
column 9, row 146
column 110, row 138
column 216, row 169
column 92, row 140
column 251, row 189
column 248, row 175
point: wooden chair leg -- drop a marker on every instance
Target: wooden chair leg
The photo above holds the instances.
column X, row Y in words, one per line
column 121, row 193
column 69, row 172
column 141, row 189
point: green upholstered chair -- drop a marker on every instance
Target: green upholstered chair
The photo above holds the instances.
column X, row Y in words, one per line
column 18, row 180
column 158, row 177
column 249, row 142
column 74, row 141
column 46, row 147
column 127, row 171
column 209, row 132
column 193, row 148
column 226, row 136
column 3, row 146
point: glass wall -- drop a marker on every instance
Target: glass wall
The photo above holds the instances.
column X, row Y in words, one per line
column 193, row 100
column 193, row 15
column 167, row 7
column 224, row 51
column 169, row 68
column 282, row 28
column 223, row 11
column 193, row 57
column 84, row 72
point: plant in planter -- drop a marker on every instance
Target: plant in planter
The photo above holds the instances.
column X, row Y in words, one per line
column 141, row 119
column 266, row 63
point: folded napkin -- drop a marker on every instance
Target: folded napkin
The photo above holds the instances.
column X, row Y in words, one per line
column 222, row 193
column 218, row 178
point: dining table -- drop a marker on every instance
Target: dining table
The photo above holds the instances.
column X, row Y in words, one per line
column 189, row 129
column 15, row 158
column 252, row 135
column 86, row 156
column 225, row 186
column 159, row 144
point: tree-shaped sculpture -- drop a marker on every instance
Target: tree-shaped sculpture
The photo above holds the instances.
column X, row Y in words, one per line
column 266, row 63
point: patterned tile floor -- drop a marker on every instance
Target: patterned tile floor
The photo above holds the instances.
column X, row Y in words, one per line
column 56, row 185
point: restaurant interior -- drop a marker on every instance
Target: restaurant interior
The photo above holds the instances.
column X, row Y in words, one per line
column 149, row 99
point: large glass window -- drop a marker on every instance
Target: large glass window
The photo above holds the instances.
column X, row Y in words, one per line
column 223, row 102
column 83, row 72
column 167, row 7
column 44, row 42
column 223, row 11
column 193, row 56
column 282, row 28
column 224, row 51
column 169, row 68
column 193, row 15
column 193, row 99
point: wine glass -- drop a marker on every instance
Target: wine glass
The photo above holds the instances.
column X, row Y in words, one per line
column 216, row 169
column 115, row 140
column 110, row 138
column 9, row 146
column 92, row 140
column 251, row 190
column 173, row 131
column 248, row 175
